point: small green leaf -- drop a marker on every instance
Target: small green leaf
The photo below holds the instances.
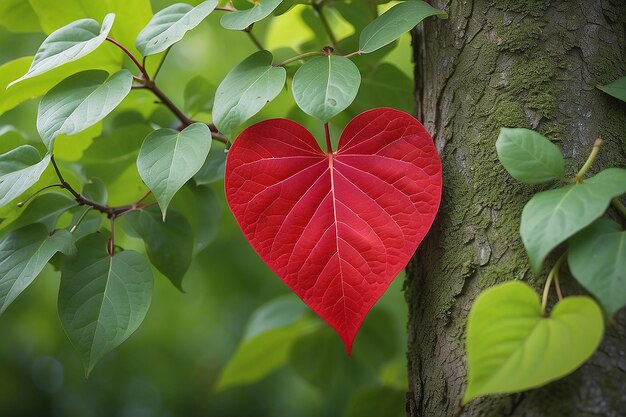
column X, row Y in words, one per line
column 168, row 159
column 68, row 44
column 529, row 157
column 324, row 86
column 102, row 298
column 616, row 89
column 393, row 23
column 170, row 25
column 19, row 169
column 597, row 259
column 241, row 19
column 23, row 254
column 80, row 102
column 46, row 209
column 512, row 347
column 551, row 217
column 199, row 95
column 377, row 402
column 214, row 166
column 316, row 356
column 168, row 244
column 280, row 312
column 245, row 90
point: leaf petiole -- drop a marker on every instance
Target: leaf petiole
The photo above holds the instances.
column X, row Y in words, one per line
column 589, row 162
column 553, row 274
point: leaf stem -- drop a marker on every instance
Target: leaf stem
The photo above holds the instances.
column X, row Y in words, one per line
column 319, row 7
column 80, row 220
column 351, row 54
column 253, row 38
column 225, row 9
column 298, row 57
column 589, row 162
column 36, row 193
column 554, row 273
column 329, row 146
column 619, row 206
column 141, row 68
column 167, row 51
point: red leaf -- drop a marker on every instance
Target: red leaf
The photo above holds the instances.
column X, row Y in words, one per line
column 336, row 228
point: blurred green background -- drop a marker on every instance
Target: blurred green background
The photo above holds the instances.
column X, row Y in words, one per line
column 171, row 365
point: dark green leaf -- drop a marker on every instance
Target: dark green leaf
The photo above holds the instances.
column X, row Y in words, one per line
column 202, row 208
column 597, row 259
column 19, row 169
column 102, row 298
column 551, row 217
column 385, row 86
column 241, row 19
column 616, row 89
column 96, row 190
column 315, row 357
column 80, row 102
column 68, row 44
column 280, row 312
column 23, row 254
column 245, row 90
column 214, row 166
column 393, row 23
column 529, row 157
column 377, row 402
column 168, row 159
column 324, row 86
column 170, row 25
column 199, row 95
column 46, row 209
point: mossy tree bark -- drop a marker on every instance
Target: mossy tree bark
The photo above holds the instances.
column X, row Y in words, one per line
column 493, row 64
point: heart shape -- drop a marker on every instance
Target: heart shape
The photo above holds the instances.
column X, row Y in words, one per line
column 336, row 227
column 512, row 346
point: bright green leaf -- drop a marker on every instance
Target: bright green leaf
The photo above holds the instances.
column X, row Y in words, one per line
column 102, row 298
column 79, row 102
column 529, row 157
column 68, row 44
column 19, row 169
column 377, row 402
column 245, row 90
column 214, row 166
column 199, row 95
column 168, row 244
column 170, row 25
column 168, row 159
column 393, row 23
column 18, row 16
column 23, row 254
column 597, row 259
column 512, row 347
column 616, row 89
column 241, row 19
column 551, row 217
column 324, row 86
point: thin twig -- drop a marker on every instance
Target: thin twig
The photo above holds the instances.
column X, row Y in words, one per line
column 253, row 38
column 319, row 7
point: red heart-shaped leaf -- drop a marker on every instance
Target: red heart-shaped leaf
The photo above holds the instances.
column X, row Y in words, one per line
column 336, row 227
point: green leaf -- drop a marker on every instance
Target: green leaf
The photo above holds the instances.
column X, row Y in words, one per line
column 19, row 169
column 11, row 138
column 46, row 209
column 23, row 254
column 202, row 208
column 377, row 340
column 199, row 95
column 512, row 347
column 616, row 89
column 102, row 298
column 315, row 357
column 393, row 23
column 597, row 259
column 168, row 159
column 18, row 16
column 168, row 244
column 96, row 190
column 170, row 25
column 324, row 86
column 280, row 312
column 376, row 402
column 80, row 102
column 385, row 86
column 241, row 19
column 214, row 166
column 68, row 44
column 529, row 157
column 551, row 217
column 245, row 90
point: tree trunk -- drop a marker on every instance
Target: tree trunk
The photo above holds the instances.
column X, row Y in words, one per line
column 493, row 64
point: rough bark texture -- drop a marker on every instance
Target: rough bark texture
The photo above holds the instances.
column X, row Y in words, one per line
column 493, row 64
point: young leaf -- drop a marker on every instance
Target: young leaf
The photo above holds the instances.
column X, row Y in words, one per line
column 19, row 169
column 616, row 89
column 551, row 217
column 168, row 159
column 68, row 44
column 597, row 259
column 325, row 86
column 336, row 227
column 214, row 166
column 199, row 95
column 241, row 19
column 245, row 90
column 512, row 347
column 170, row 25
column 529, row 157
column 80, row 102
column 393, row 23
column 23, row 254
column 102, row 298
column 168, row 244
